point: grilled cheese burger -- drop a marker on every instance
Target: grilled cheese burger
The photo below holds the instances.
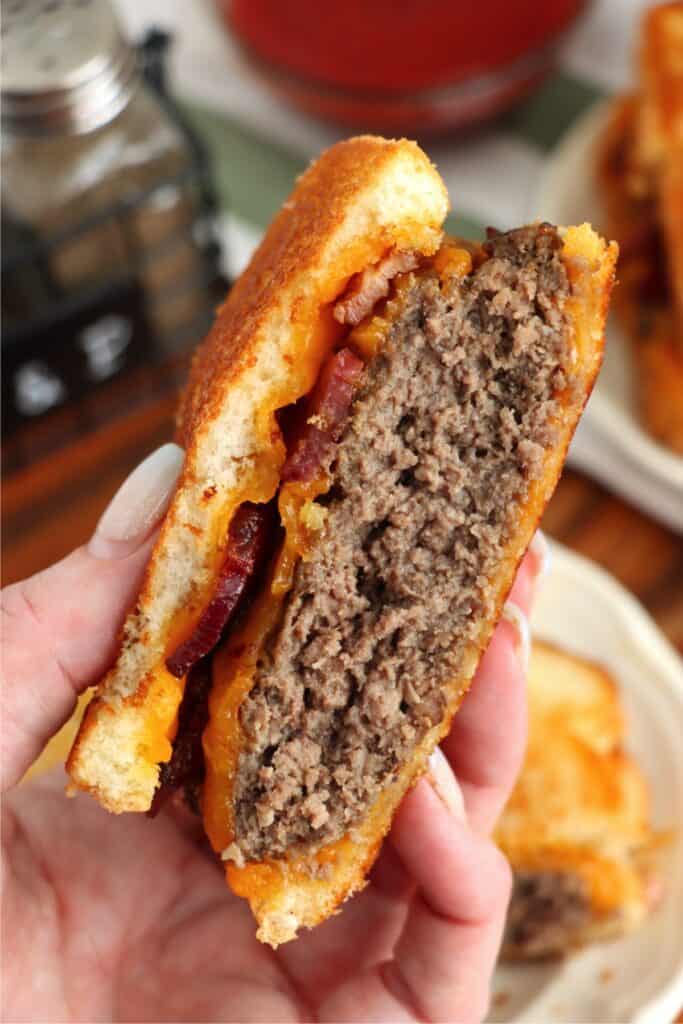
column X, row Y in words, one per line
column 372, row 430
column 576, row 828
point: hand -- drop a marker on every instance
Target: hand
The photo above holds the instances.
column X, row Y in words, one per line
column 125, row 918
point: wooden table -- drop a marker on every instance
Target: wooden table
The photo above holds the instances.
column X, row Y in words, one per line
column 54, row 506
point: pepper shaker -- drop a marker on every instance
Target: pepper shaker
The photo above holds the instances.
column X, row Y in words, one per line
column 109, row 255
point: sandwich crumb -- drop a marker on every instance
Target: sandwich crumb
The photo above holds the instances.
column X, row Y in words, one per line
column 234, row 854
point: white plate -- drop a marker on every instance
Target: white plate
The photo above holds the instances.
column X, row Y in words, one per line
column 638, row 978
column 610, row 444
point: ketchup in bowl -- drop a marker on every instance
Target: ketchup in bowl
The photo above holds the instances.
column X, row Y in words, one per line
column 392, row 65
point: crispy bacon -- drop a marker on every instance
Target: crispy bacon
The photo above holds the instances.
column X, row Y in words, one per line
column 326, row 414
column 185, row 770
column 371, row 285
column 247, row 543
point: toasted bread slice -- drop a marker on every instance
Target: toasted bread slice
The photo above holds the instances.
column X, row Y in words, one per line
column 576, row 827
column 360, row 200
column 660, row 133
column 659, row 140
column 650, row 231
column 640, row 175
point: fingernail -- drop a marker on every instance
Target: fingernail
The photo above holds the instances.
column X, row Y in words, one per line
column 513, row 614
column 543, row 555
column 445, row 784
column 138, row 505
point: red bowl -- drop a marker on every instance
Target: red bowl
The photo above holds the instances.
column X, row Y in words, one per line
column 417, row 65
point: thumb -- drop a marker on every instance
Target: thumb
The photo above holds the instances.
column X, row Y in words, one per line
column 59, row 628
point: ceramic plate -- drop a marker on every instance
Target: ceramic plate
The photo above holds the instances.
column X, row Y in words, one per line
column 638, row 978
column 610, row 444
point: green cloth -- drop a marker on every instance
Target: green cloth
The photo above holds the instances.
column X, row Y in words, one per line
column 255, row 175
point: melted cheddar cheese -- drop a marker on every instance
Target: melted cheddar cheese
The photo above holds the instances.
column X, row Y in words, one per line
column 451, row 261
column 234, row 663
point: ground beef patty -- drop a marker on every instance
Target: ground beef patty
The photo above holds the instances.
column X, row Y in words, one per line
column 442, row 442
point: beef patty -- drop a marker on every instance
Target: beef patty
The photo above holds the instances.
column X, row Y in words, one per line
column 442, row 442
column 547, row 912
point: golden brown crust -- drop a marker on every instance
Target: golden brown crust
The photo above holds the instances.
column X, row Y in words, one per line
column 640, row 176
column 661, row 72
column 360, row 200
column 648, row 319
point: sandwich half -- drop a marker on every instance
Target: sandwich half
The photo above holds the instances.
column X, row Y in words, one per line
column 576, row 829
column 640, row 176
column 372, row 429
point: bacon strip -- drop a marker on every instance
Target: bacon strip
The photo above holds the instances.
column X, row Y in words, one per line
column 247, row 542
column 371, row 285
column 327, row 412
column 251, row 529
column 251, row 525
column 185, row 770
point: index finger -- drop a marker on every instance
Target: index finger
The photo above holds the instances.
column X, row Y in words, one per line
column 486, row 743
column 59, row 632
column 60, row 626
column 442, row 962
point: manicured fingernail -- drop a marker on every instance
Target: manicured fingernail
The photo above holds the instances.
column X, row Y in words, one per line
column 513, row 614
column 138, row 505
column 445, row 784
column 543, row 555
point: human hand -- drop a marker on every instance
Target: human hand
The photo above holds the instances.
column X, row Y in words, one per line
column 130, row 919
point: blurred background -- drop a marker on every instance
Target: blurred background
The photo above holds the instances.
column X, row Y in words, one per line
column 138, row 175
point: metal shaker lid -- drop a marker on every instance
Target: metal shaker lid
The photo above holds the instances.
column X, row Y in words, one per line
column 66, row 67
